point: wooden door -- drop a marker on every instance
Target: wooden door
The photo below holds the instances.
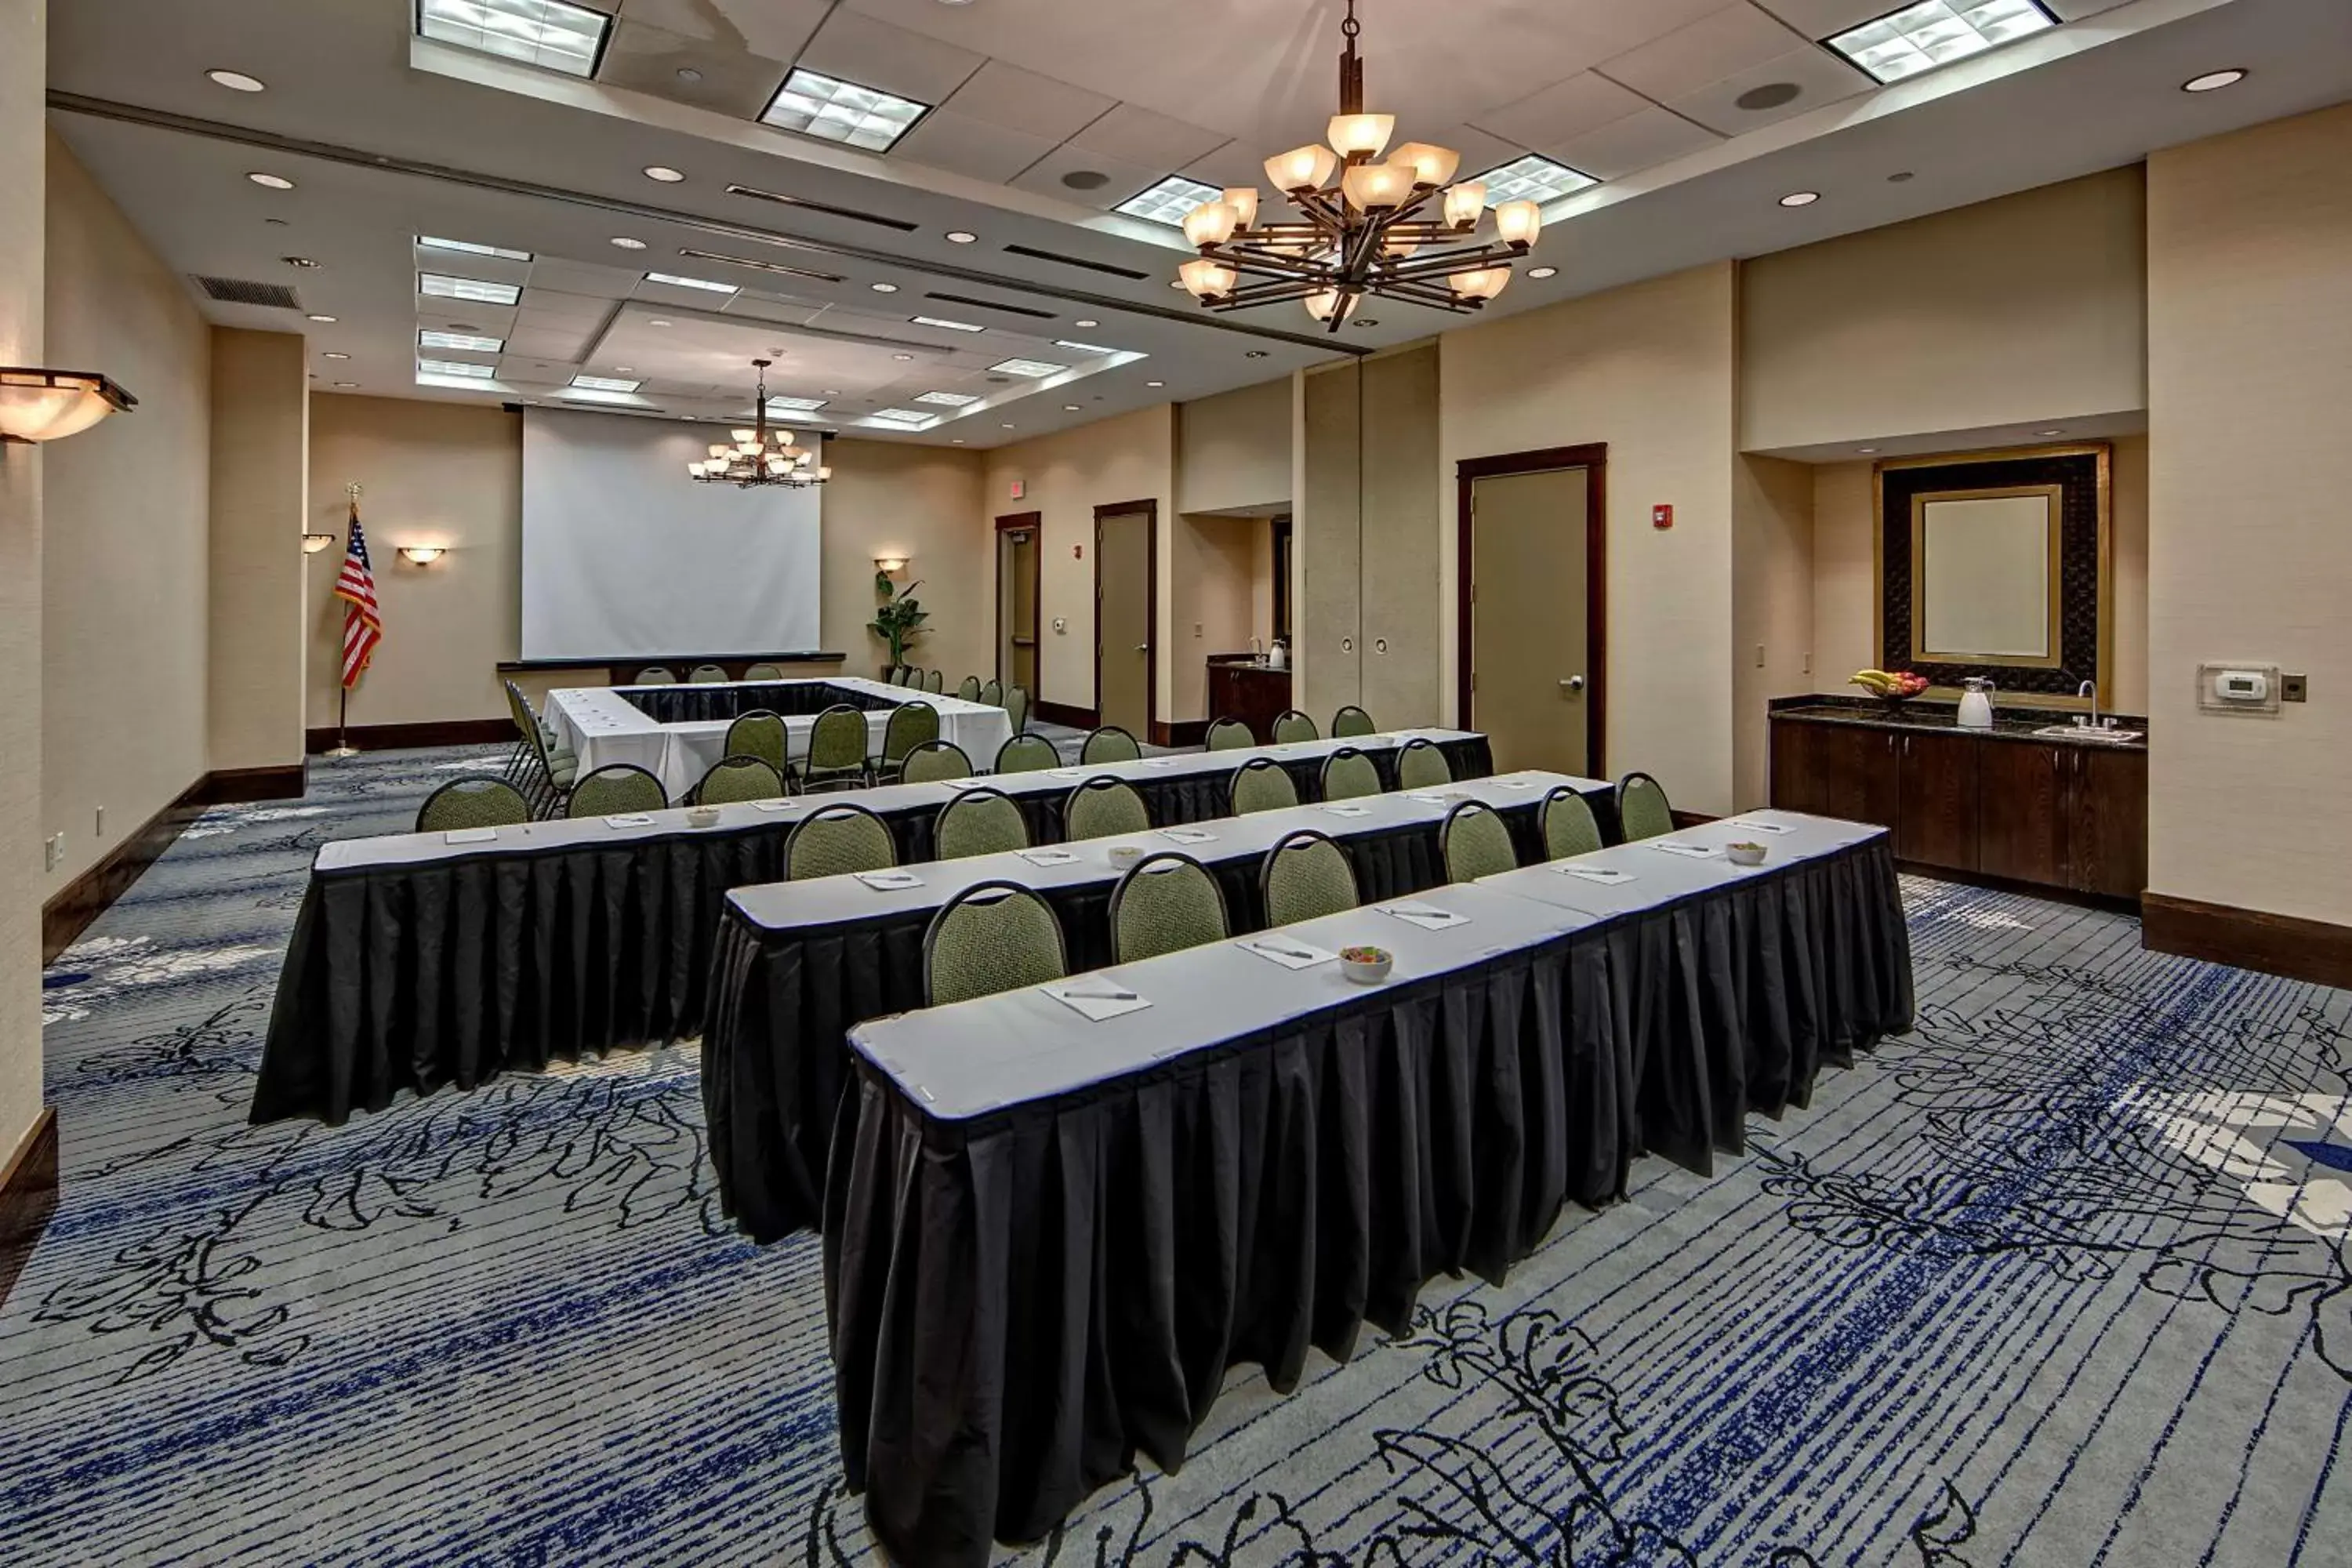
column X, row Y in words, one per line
column 1123, row 549
column 1528, row 670
column 2106, row 821
column 1835, row 770
column 2020, row 811
column 1936, row 821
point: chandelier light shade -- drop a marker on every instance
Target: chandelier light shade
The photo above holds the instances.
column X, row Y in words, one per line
column 1357, row 224
column 49, row 404
column 757, row 454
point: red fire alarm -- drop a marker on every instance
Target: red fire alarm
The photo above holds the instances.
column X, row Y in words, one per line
column 1662, row 516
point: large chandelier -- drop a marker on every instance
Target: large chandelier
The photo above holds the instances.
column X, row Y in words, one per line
column 760, row 455
column 1396, row 228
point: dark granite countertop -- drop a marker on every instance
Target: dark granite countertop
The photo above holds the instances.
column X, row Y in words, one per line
column 2010, row 722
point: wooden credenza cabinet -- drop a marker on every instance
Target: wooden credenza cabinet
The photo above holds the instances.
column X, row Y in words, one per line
column 1257, row 696
column 2054, row 814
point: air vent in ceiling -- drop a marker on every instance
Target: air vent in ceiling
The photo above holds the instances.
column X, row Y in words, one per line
column 244, row 291
column 776, row 266
column 807, row 205
column 1034, row 254
column 992, row 305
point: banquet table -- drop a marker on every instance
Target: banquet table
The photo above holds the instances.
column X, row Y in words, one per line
column 1048, row 1238
column 418, row 961
column 798, row 963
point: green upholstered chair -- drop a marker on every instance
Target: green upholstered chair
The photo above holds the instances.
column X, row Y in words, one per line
column 614, row 788
column 1305, row 877
column 1016, row 708
column 1260, row 785
column 472, row 803
column 1100, row 807
column 764, row 672
column 898, row 673
column 657, row 675
column 1421, row 766
column 837, row 750
column 1109, row 744
column 1026, row 754
column 1348, row 775
column 1641, row 808
column 911, row 724
column 980, row 822
column 934, row 760
column 1229, row 735
column 1350, row 721
column 1294, row 726
column 837, row 840
column 738, row 778
column 1568, row 826
column 991, row 693
column 1476, row 843
column 760, row 734
column 708, row 675
column 935, row 681
column 991, row 937
column 1166, row 903
column 914, row 674
column 968, row 688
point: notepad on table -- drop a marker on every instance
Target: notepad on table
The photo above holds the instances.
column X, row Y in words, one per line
column 470, row 836
column 889, row 882
column 1188, row 835
column 1603, row 875
column 1428, row 917
column 1287, row 954
column 1689, row 851
column 1096, row 999
column 633, row 819
column 1049, row 856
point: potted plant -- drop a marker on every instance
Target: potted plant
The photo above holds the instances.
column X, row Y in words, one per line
column 899, row 620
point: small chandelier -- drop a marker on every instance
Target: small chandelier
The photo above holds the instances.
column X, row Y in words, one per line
column 760, row 455
column 1396, row 228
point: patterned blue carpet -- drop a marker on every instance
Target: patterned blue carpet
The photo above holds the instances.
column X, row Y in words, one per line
column 2060, row 1278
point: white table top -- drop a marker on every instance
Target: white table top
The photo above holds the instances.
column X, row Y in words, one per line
column 1656, row 874
column 600, row 711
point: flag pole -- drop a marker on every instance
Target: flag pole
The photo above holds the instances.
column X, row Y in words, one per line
column 342, row 746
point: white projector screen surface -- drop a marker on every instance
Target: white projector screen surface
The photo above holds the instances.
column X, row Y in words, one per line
column 625, row 555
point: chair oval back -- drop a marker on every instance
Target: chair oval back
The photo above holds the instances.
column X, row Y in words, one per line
column 979, row 822
column 1229, row 735
column 1568, row 826
column 933, row 761
column 1421, row 766
column 1016, row 708
column 764, row 672
column 615, row 787
column 991, row 694
column 760, row 734
column 1109, row 745
column 968, row 688
column 914, row 674
column 1165, row 903
column 1260, row 785
column 472, row 803
column 708, row 675
column 836, row 746
column 935, row 681
column 1100, row 807
column 991, row 937
column 911, row 724
column 1294, row 726
column 1305, row 877
column 738, row 778
column 657, row 675
column 1350, row 721
column 898, row 673
column 1026, row 754
column 836, row 841
column 1348, row 775
column 1642, row 811
column 1476, row 843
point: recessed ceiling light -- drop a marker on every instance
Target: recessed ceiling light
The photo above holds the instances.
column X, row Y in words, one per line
column 659, row 321
column 1175, row 282
column 629, row 242
column 946, row 325
column 832, row 392
column 1534, row 179
column 1365, row 322
column 1155, row 384
column 1036, row 367
column 2058, row 431
column 554, row 34
column 1919, row 37
column 1538, row 274
column 328, row 320
column 627, row 369
column 2214, row 80
column 458, row 368
column 688, row 75
column 962, row 236
column 271, row 181
column 902, row 356
column 948, row 399
column 236, row 81
column 836, row 110
column 462, row 342
column 443, row 286
column 1008, row 425
column 1865, row 449
column 1900, row 177
column 304, row 263
column 1069, row 408
column 346, row 384
column 1086, row 321
column 955, row 441
column 1255, row 353
column 1168, row 201
column 604, row 383
column 884, row 288
column 676, row 281
column 470, row 248
column 347, row 356
column 666, row 175
column 1801, row 198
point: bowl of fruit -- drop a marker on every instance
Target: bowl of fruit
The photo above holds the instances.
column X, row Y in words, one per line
column 1366, row 965
column 1894, row 689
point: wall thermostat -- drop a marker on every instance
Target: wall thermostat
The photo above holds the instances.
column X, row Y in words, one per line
column 2238, row 687
column 2241, row 686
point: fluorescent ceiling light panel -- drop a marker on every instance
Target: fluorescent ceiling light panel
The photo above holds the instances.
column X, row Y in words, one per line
column 463, row 342
column 836, row 110
column 944, row 323
column 1027, row 367
column 604, row 383
column 705, row 284
column 591, row 394
column 457, row 368
column 428, row 242
column 442, row 286
column 554, row 34
column 899, row 416
column 1933, row 33
column 1533, row 179
column 1168, row 201
column 948, row 399
column 795, row 405
column 1085, row 348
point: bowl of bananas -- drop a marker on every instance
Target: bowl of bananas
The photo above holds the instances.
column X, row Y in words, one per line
column 1894, row 689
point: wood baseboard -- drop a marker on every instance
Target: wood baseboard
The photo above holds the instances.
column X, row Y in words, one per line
column 28, row 1196
column 1182, row 732
column 1064, row 714
column 401, row 737
column 236, row 786
column 2290, row 945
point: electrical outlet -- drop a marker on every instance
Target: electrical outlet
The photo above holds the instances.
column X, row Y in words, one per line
column 1196, row 631
column 52, row 848
column 1759, row 656
column 1808, row 661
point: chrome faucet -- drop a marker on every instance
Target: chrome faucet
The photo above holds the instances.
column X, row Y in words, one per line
column 2090, row 689
column 1256, row 651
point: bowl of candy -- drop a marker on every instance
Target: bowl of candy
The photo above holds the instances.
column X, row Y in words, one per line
column 1745, row 854
column 1366, row 965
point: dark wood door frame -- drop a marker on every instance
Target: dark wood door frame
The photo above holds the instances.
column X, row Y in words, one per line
column 1035, row 521
column 1150, row 511
column 1593, row 459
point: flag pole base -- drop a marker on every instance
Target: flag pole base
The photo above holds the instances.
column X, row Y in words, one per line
column 340, row 751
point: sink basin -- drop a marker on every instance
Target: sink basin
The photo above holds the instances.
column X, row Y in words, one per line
column 2084, row 732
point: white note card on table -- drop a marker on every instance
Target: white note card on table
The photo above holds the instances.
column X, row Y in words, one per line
column 634, row 819
column 1514, row 783
column 1601, row 874
column 1432, row 797
column 1747, row 827
column 470, row 836
column 1428, row 917
column 1096, row 999
column 775, row 805
column 1287, row 954
column 1069, row 773
column 1049, row 856
column 1188, row 835
column 1689, row 851
column 889, row 882
column 1349, row 810
column 960, row 785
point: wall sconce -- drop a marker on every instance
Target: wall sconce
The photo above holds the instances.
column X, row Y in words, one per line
column 314, row 543
column 885, row 564
column 422, row 554
column 48, row 405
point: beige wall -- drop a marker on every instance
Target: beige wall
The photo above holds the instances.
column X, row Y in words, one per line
column 1647, row 368
column 24, row 50
column 1213, row 596
column 2027, row 308
column 2250, row 378
column 922, row 502
column 1130, row 457
column 1234, row 449
column 1771, row 608
column 124, row 556
column 259, row 490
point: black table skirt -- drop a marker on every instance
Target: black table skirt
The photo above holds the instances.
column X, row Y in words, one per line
column 697, row 704
column 1022, row 1303
column 776, row 1052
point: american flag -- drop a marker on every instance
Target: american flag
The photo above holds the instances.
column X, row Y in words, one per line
column 362, row 621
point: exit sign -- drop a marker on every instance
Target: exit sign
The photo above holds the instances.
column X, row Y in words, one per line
column 1020, row 488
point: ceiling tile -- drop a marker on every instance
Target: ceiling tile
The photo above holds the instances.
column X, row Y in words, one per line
column 1235, row 164
column 1480, row 152
column 1819, row 18
column 1583, row 103
column 1023, row 100
column 1642, row 139
column 488, row 320
column 858, row 48
column 546, row 303
column 1709, row 49
column 583, row 278
column 1120, row 180
column 1146, row 139
column 548, row 342
column 648, row 59
column 947, row 140
column 1819, row 76
column 778, row 29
